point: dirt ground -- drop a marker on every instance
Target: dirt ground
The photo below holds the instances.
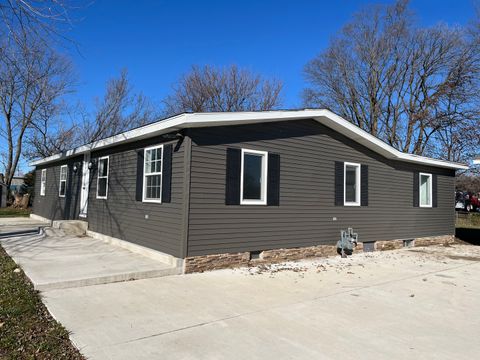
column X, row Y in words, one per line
column 418, row 255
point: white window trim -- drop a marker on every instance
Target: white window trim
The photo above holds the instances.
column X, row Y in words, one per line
column 263, row 190
column 420, row 190
column 357, row 184
column 103, row 177
column 159, row 201
column 60, row 184
column 43, row 182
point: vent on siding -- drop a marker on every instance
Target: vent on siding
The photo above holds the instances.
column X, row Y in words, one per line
column 369, row 246
column 408, row 243
column 255, row 255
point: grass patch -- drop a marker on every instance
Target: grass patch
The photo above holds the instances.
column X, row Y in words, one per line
column 27, row 330
column 467, row 220
column 14, row 212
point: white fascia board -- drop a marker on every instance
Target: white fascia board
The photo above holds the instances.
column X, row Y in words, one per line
column 355, row 133
column 146, row 131
column 433, row 162
column 176, row 123
column 194, row 120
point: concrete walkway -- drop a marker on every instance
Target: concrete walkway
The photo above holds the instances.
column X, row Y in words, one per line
column 62, row 261
column 419, row 303
column 11, row 224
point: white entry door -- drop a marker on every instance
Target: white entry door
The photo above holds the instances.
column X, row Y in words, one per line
column 85, row 186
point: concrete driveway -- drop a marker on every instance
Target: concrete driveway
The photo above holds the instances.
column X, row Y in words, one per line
column 420, row 303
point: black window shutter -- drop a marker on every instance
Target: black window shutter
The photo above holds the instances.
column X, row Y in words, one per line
column 339, row 183
column 232, row 184
column 434, row 190
column 364, row 185
column 167, row 173
column 139, row 184
column 273, row 182
column 416, row 194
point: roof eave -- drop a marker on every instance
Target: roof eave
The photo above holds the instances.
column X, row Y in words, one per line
column 192, row 120
column 362, row 137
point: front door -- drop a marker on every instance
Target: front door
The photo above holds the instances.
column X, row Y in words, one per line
column 85, row 185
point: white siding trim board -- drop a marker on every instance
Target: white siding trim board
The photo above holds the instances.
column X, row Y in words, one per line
column 43, row 182
column 155, row 173
column 430, row 190
column 263, row 195
column 357, row 184
column 103, row 177
column 63, row 179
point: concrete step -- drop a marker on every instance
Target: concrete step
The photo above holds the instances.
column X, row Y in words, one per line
column 71, row 227
column 100, row 280
column 10, row 226
column 50, row 231
column 19, row 231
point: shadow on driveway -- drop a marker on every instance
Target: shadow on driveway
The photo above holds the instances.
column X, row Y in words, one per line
column 470, row 235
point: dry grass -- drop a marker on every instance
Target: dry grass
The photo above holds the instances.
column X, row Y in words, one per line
column 27, row 330
column 467, row 220
column 14, row 212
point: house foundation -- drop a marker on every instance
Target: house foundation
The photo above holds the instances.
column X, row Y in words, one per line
column 242, row 259
column 423, row 241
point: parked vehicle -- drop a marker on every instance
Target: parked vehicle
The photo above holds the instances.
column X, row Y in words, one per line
column 474, row 203
column 466, row 201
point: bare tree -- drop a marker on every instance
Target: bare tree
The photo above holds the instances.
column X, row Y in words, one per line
column 51, row 136
column 40, row 20
column 208, row 88
column 416, row 88
column 119, row 110
column 470, row 183
column 32, row 81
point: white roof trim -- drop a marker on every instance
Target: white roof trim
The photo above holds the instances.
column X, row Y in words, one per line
column 193, row 120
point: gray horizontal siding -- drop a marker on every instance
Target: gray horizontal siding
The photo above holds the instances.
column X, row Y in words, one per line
column 308, row 152
column 121, row 216
column 51, row 206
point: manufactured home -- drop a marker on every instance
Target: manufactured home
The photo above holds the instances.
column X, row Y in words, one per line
column 218, row 189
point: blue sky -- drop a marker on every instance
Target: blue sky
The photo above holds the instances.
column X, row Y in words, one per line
column 157, row 41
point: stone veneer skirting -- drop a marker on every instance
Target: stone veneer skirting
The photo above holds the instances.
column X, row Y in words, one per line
column 242, row 259
column 424, row 241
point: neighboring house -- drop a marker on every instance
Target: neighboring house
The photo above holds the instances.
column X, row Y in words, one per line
column 218, row 188
column 15, row 186
column 17, row 183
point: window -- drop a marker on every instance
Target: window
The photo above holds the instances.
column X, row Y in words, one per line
column 425, row 190
column 102, row 178
column 63, row 181
column 43, row 182
column 253, row 185
column 352, row 184
column 152, row 174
